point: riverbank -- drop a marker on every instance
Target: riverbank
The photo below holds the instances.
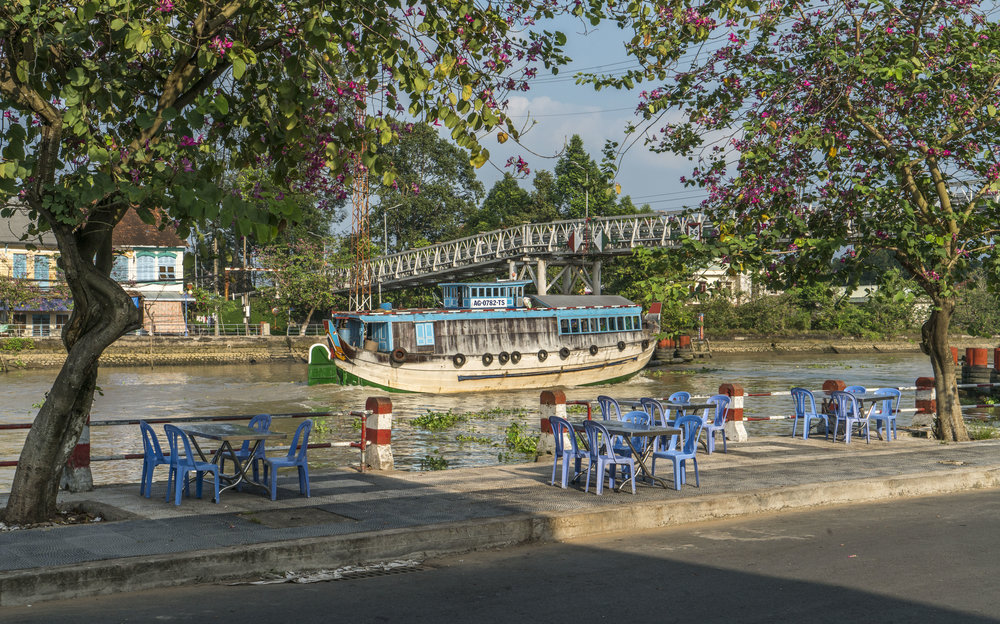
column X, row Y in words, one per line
column 137, row 351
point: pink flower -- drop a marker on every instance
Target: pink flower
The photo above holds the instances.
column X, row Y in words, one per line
column 165, row 6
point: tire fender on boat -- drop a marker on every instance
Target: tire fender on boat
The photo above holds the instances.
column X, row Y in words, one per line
column 487, row 359
column 543, row 355
column 621, row 345
column 398, row 355
column 645, row 345
column 564, row 352
column 593, row 349
column 502, row 357
column 515, row 357
column 458, row 359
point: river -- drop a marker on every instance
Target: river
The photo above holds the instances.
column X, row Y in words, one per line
column 165, row 392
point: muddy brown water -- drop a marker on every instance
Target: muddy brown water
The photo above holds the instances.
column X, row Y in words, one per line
column 167, row 392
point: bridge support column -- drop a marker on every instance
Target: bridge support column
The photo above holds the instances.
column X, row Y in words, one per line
column 541, row 278
column 595, row 277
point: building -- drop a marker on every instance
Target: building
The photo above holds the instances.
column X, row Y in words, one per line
column 33, row 299
column 149, row 263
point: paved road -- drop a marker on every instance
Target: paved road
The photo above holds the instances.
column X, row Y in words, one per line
column 916, row 560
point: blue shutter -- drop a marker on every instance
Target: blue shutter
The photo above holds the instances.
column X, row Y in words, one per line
column 20, row 266
column 42, row 272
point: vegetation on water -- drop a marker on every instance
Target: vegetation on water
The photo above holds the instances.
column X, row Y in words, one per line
column 438, row 421
column 520, row 440
column 433, row 462
column 463, row 437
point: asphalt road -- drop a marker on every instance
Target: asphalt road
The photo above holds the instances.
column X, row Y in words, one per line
column 915, row 560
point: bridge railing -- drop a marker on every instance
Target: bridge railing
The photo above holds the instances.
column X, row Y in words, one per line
column 614, row 235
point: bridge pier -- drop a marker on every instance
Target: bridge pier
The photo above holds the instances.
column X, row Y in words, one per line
column 541, row 277
column 595, row 277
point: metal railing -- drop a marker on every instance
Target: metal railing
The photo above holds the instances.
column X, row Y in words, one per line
column 558, row 240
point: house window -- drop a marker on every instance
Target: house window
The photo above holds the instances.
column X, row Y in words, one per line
column 119, row 270
column 145, row 269
column 20, row 266
column 61, row 320
column 42, row 272
column 425, row 334
column 166, row 266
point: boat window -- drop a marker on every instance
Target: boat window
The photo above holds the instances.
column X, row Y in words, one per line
column 425, row 334
column 574, row 326
column 621, row 323
column 628, row 322
column 563, row 326
column 604, row 324
column 588, row 325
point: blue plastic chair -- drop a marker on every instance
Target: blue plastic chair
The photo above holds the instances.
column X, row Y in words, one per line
column 805, row 410
column 638, row 417
column 296, row 457
column 715, row 423
column 609, row 408
column 691, row 428
column 856, row 389
column 261, row 423
column 655, row 409
column 884, row 412
column 598, row 438
column 560, row 428
column 848, row 411
column 183, row 463
column 153, row 457
column 681, row 396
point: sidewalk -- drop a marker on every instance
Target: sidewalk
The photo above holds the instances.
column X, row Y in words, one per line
column 355, row 518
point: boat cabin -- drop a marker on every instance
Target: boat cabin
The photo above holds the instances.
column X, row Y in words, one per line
column 483, row 295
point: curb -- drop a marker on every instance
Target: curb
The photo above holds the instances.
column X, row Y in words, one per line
column 131, row 574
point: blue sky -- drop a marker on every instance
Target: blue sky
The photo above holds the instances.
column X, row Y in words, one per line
column 562, row 108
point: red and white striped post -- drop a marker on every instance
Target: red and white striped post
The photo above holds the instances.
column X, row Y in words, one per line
column 76, row 475
column 378, row 433
column 736, row 430
column 925, row 400
column 553, row 403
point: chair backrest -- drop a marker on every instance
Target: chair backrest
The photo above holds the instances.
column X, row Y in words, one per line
column 681, row 396
column 560, row 426
column 691, row 425
column 805, row 402
column 297, row 450
column 150, row 443
column 638, row 417
column 891, row 404
column 858, row 389
column 609, row 408
column 653, row 408
column 846, row 404
column 261, row 422
column 597, row 436
column 174, row 437
column 721, row 402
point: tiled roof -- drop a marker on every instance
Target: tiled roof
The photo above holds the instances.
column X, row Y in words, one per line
column 131, row 231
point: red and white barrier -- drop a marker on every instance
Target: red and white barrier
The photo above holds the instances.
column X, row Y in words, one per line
column 377, row 440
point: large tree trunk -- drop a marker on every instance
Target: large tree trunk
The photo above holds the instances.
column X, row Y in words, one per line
column 949, row 424
column 102, row 312
column 305, row 326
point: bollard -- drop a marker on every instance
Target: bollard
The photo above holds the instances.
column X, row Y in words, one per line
column 553, row 403
column 925, row 401
column 378, row 433
column 735, row 428
column 76, row 475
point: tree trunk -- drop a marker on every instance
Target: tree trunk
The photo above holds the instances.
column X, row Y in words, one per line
column 102, row 312
column 948, row 423
column 305, row 326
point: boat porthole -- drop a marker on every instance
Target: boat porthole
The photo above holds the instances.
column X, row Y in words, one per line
column 502, row 357
column 487, row 359
column 564, row 352
column 645, row 345
column 621, row 345
column 593, row 349
column 398, row 355
column 458, row 359
column 542, row 355
column 515, row 357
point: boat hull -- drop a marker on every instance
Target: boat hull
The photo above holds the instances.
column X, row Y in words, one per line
column 441, row 375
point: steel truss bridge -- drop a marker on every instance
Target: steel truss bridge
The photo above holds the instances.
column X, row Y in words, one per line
column 575, row 247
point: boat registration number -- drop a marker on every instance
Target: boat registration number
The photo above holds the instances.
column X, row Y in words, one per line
column 488, row 302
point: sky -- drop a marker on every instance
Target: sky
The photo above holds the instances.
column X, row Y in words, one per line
column 562, row 108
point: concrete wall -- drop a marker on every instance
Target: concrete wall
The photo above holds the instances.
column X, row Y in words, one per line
column 175, row 350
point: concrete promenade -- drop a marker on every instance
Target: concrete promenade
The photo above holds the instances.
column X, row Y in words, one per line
column 356, row 518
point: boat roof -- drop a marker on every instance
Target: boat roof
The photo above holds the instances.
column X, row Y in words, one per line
column 576, row 301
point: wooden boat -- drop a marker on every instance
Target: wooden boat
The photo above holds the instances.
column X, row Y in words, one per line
column 488, row 337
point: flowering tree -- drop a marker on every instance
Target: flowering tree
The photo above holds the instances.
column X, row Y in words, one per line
column 111, row 104
column 831, row 131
